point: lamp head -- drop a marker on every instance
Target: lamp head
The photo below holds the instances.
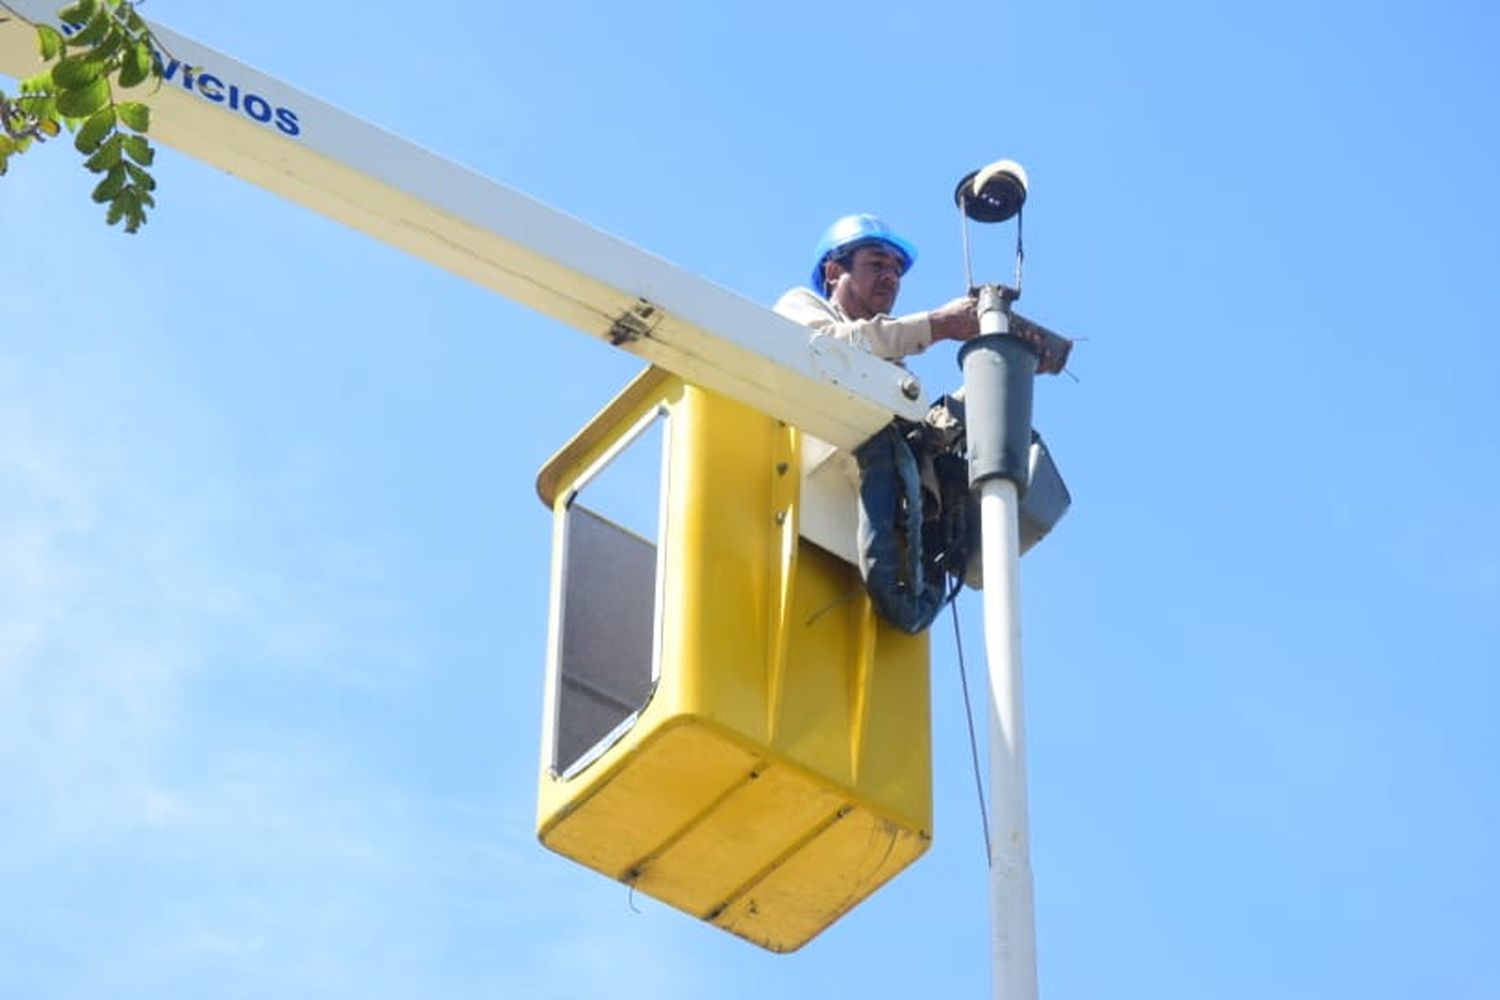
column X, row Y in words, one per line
column 993, row 193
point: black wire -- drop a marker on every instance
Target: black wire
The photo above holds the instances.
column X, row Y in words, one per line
column 963, row 676
column 1020, row 249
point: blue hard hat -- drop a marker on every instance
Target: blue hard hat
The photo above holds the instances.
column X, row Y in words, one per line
column 856, row 231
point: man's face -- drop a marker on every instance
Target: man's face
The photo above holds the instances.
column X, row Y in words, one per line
column 867, row 287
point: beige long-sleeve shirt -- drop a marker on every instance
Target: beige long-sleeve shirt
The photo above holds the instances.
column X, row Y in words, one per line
column 891, row 337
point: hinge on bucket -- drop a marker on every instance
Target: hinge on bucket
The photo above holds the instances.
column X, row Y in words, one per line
column 634, row 323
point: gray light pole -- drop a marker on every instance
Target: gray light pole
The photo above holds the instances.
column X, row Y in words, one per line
column 999, row 369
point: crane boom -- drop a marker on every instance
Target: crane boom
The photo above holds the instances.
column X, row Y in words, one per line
column 226, row 114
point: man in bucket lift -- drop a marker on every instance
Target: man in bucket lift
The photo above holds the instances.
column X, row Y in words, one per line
column 908, row 548
column 856, row 277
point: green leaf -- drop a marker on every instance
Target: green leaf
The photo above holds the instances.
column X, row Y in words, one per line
column 139, row 150
column 135, row 115
column 50, row 127
column 107, row 156
column 130, row 207
column 40, row 106
column 76, row 72
column 139, row 177
column 94, row 130
column 113, row 183
column 7, row 145
column 79, row 12
column 93, row 32
column 85, row 101
column 39, row 84
column 50, row 40
column 105, row 51
column 136, row 66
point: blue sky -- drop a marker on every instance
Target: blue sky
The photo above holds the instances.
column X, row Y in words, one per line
column 272, row 569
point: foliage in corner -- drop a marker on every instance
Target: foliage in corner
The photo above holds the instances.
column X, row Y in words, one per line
column 104, row 43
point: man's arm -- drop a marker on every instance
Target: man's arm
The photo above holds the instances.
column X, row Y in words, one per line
column 890, row 337
column 959, row 320
column 896, row 337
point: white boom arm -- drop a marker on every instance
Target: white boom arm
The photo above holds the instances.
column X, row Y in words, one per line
column 226, row 114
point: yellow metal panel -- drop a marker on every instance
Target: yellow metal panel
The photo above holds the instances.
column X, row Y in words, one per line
column 646, row 797
column 848, row 859
column 747, row 835
column 781, row 771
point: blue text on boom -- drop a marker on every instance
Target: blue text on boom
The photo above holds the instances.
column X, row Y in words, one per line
column 210, row 87
column 215, row 89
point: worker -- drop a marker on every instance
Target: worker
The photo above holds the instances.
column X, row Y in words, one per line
column 856, row 277
column 916, row 531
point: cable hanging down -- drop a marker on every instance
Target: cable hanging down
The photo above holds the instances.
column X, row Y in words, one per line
column 963, row 677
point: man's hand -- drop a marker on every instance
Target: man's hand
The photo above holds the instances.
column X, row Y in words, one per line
column 958, row 320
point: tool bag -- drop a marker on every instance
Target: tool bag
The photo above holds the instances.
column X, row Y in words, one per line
column 917, row 520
